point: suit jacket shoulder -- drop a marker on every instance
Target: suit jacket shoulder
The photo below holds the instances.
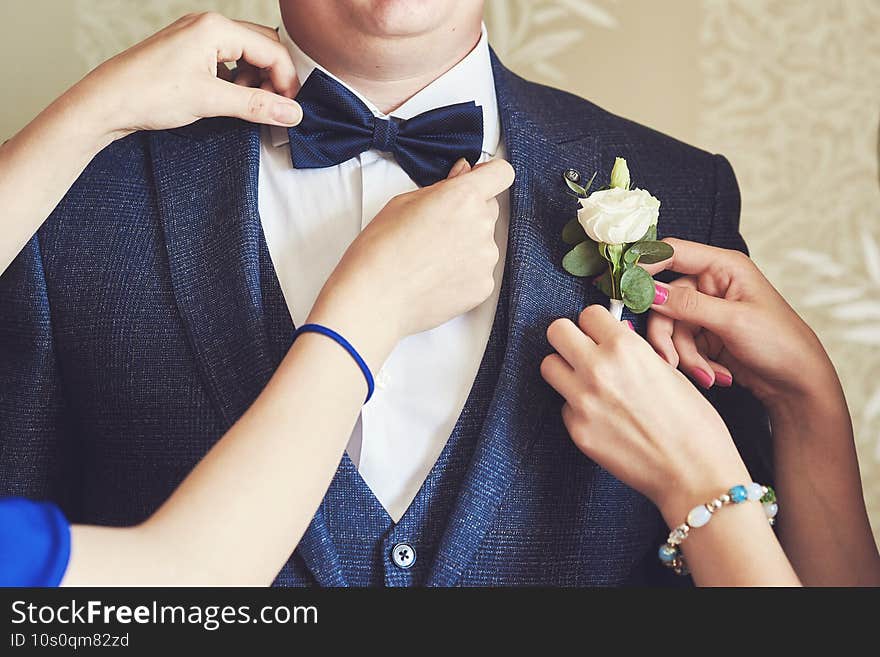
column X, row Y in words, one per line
column 568, row 117
column 114, row 202
column 108, row 195
column 698, row 190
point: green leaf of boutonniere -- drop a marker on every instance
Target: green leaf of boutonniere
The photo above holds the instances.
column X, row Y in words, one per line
column 584, row 260
column 650, row 235
column 604, row 284
column 637, row 289
column 577, row 189
column 582, row 192
column 574, row 233
column 648, row 253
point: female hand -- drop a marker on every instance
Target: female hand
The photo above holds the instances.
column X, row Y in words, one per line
column 726, row 319
column 427, row 257
column 725, row 322
column 173, row 78
column 637, row 417
column 179, row 75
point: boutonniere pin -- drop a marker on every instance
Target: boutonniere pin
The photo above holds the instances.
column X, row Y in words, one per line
column 615, row 231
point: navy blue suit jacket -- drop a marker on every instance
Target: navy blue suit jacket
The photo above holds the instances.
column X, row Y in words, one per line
column 145, row 317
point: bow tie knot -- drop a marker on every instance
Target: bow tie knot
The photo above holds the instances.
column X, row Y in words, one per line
column 384, row 134
column 338, row 126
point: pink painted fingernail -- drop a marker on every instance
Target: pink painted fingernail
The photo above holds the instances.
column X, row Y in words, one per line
column 702, row 377
column 661, row 294
column 723, row 380
column 630, row 325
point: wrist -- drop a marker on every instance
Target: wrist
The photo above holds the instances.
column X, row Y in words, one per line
column 812, row 381
column 100, row 116
column 819, row 405
column 687, row 493
column 352, row 313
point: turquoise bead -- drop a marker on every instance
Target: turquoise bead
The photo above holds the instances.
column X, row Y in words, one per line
column 738, row 494
column 667, row 553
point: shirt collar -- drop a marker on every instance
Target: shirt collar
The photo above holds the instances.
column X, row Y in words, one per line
column 469, row 80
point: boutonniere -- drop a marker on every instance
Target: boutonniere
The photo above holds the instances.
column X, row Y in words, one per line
column 615, row 231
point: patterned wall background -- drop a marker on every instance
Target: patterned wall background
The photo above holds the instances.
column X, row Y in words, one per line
column 787, row 89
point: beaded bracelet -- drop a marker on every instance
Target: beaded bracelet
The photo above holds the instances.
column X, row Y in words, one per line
column 670, row 552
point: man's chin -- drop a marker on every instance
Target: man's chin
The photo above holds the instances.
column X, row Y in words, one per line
column 406, row 18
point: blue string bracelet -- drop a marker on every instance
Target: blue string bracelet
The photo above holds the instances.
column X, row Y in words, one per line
column 345, row 344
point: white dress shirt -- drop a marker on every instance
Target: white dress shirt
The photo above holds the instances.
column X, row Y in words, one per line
column 309, row 218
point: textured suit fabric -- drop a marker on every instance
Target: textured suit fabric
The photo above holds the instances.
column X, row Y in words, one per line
column 361, row 529
column 145, row 317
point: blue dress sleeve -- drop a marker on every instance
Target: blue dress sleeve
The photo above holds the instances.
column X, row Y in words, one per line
column 34, row 543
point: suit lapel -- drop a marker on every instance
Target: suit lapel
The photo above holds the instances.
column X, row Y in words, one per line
column 206, row 181
column 224, row 283
column 538, row 291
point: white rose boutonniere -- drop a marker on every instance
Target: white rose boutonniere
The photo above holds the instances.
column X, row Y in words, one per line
column 615, row 230
column 618, row 216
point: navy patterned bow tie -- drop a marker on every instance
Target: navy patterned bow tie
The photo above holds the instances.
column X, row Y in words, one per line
column 337, row 126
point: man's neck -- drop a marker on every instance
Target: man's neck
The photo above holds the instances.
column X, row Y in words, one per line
column 388, row 71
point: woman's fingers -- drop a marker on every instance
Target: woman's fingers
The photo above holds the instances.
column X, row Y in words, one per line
column 235, row 41
column 246, row 75
column 660, row 329
column 732, row 365
column 571, row 343
column 691, row 361
column 596, row 322
column 259, row 52
column 265, row 30
column 707, row 345
column 461, row 166
column 560, row 375
column 686, row 346
column 487, row 179
column 686, row 303
column 255, row 105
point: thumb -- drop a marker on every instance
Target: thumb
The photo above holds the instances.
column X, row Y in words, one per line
column 690, row 305
column 254, row 105
column 490, row 178
column 460, row 167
